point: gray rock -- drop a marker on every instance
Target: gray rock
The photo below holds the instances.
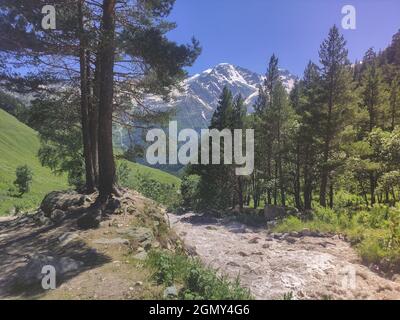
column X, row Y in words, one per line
column 170, row 292
column 114, row 241
column 113, row 206
column 295, row 234
column 68, row 237
column 290, row 239
column 57, row 216
column 40, row 219
column 89, row 220
column 141, row 235
column 61, row 200
column 141, row 256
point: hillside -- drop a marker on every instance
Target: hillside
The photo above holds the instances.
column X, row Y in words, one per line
column 19, row 145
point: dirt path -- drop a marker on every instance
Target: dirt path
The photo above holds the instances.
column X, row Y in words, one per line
column 90, row 264
column 309, row 267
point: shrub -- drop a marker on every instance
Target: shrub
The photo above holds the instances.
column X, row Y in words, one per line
column 198, row 282
column 190, row 191
column 23, row 179
column 163, row 193
column 123, row 173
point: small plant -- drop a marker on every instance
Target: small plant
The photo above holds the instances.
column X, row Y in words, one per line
column 288, row 296
column 23, row 179
column 123, row 173
column 197, row 282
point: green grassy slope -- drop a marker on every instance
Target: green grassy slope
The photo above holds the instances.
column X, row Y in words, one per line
column 155, row 174
column 19, row 145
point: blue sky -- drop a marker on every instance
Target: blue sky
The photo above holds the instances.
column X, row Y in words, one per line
column 247, row 32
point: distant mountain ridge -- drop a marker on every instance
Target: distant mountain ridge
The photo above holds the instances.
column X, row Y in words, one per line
column 197, row 102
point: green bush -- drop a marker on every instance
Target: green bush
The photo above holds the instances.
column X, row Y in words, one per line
column 196, row 281
column 23, row 179
column 123, row 172
column 190, row 191
column 163, row 193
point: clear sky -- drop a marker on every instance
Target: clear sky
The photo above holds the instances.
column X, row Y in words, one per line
column 247, row 32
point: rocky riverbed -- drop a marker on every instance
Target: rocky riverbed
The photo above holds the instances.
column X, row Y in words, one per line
column 302, row 265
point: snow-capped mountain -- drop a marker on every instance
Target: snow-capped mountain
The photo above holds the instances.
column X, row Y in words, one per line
column 196, row 103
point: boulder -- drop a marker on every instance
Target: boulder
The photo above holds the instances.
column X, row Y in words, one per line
column 90, row 220
column 57, row 216
column 61, row 200
column 170, row 292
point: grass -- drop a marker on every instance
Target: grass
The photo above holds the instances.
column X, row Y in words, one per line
column 19, row 145
column 374, row 232
column 195, row 281
column 156, row 174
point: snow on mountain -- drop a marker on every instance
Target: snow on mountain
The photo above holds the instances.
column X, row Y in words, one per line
column 199, row 98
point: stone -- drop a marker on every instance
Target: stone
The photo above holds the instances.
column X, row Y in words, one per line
column 57, row 216
column 233, row 264
column 291, row 240
column 141, row 256
column 113, row 206
column 142, row 235
column 89, row 221
column 40, row 219
column 114, row 241
column 170, row 292
column 254, row 240
column 68, row 237
column 243, row 254
column 190, row 250
column 61, row 200
column 295, row 234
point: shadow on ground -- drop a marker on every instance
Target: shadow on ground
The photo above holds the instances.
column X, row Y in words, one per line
column 26, row 247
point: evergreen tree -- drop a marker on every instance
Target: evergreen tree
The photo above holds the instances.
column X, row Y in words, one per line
column 336, row 88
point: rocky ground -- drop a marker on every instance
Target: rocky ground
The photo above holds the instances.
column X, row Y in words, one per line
column 300, row 265
column 100, row 253
column 101, row 263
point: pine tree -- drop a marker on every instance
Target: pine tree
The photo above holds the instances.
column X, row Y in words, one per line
column 336, row 86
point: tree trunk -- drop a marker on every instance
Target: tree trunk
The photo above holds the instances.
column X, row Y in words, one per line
column 107, row 180
column 94, row 118
column 372, row 188
column 90, row 181
column 307, row 184
column 297, row 198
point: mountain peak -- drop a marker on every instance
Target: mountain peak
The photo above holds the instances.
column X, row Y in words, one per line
column 197, row 103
